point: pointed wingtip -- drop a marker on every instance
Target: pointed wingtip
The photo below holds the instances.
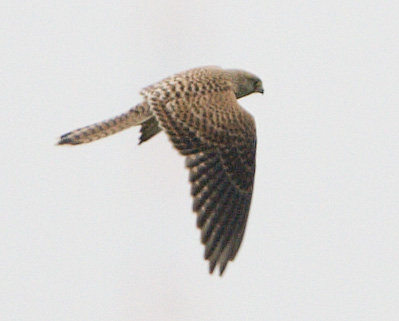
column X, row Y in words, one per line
column 222, row 268
column 212, row 265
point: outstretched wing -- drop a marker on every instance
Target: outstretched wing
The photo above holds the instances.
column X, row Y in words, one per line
column 218, row 138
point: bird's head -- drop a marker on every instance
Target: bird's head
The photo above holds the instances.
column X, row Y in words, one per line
column 244, row 82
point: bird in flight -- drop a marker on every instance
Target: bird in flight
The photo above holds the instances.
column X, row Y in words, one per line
column 199, row 112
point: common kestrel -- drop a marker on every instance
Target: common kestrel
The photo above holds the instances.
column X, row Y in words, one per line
column 198, row 110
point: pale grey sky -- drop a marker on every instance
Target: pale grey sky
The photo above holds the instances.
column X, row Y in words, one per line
column 105, row 231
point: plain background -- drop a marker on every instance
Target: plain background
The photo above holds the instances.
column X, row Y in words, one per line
column 105, row 231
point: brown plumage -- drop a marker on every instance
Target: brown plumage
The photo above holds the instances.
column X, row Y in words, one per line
column 198, row 110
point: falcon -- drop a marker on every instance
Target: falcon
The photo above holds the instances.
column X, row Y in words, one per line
column 199, row 112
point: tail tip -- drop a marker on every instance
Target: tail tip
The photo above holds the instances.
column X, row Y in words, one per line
column 68, row 140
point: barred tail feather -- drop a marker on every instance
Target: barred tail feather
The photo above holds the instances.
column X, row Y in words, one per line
column 135, row 116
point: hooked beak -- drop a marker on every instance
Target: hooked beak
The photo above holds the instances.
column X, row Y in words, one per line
column 259, row 87
column 260, row 90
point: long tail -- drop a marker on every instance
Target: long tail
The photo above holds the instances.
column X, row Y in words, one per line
column 135, row 116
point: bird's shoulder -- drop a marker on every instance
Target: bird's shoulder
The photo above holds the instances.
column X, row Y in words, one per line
column 190, row 83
